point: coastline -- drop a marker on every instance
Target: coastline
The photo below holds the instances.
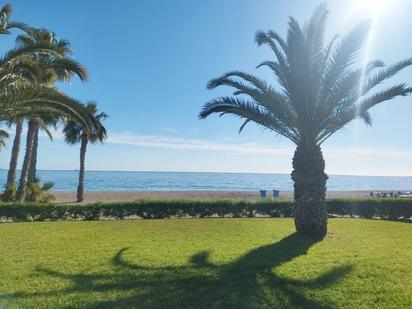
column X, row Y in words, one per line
column 127, row 196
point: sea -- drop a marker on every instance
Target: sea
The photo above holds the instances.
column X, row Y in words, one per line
column 181, row 181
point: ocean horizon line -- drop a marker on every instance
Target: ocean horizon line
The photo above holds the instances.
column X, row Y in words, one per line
column 204, row 172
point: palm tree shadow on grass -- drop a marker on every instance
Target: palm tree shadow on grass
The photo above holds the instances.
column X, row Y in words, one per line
column 248, row 282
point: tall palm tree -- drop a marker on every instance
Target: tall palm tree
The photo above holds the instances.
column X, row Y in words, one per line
column 11, row 175
column 18, row 102
column 52, row 68
column 319, row 91
column 18, row 97
column 76, row 132
column 35, row 100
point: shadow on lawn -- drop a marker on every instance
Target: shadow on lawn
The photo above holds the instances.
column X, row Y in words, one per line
column 248, row 282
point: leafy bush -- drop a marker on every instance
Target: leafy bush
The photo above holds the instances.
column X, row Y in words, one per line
column 39, row 193
column 391, row 209
column 9, row 193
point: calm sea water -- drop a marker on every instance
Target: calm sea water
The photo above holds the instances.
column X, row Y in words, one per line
column 157, row 181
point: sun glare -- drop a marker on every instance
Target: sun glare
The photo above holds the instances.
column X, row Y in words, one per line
column 369, row 8
column 372, row 10
column 375, row 6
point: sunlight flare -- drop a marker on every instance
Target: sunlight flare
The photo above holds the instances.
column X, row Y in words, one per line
column 371, row 7
column 374, row 8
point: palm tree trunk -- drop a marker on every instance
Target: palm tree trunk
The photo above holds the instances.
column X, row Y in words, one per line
column 11, row 175
column 80, row 188
column 33, row 160
column 310, row 189
column 21, row 191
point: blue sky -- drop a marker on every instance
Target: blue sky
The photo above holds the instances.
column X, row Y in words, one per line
column 149, row 62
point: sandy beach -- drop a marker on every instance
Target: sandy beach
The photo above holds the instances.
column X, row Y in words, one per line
column 116, row 196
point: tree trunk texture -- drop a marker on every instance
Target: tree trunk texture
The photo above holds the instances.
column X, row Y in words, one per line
column 33, row 160
column 11, row 175
column 21, row 191
column 80, row 188
column 310, row 190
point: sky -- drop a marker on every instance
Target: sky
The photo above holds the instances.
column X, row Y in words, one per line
column 150, row 60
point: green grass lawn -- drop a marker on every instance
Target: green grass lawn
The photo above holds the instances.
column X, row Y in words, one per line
column 205, row 263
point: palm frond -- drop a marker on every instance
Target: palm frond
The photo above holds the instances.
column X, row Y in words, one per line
column 343, row 57
column 5, row 13
column 25, row 68
column 247, row 110
column 384, row 95
column 315, row 31
column 264, row 38
column 282, row 62
column 3, row 136
column 384, row 74
column 17, row 52
column 344, row 93
column 260, row 92
column 74, row 131
column 46, row 119
column 18, row 25
column 255, row 81
column 275, row 36
column 66, row 67
column 361, row 109
column 27, row 100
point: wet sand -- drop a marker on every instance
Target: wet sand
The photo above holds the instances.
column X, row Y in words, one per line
column 124, row 196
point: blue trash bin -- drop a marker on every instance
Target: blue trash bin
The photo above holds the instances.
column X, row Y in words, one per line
column 275, row 193
column 263, row 193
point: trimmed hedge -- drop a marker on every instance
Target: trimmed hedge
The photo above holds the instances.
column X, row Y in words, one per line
column 386, row 208
column 391, row 209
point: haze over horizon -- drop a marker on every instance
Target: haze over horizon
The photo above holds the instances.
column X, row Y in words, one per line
column 149, row 62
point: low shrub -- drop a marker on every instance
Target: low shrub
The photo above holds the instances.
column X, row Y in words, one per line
column 39, row 193
column 390, row 209
column 35, row 192
column 387, row 208
column 9, row 193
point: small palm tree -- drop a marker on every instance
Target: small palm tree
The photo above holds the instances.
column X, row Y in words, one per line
column 76, row 132
column 319, row 92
